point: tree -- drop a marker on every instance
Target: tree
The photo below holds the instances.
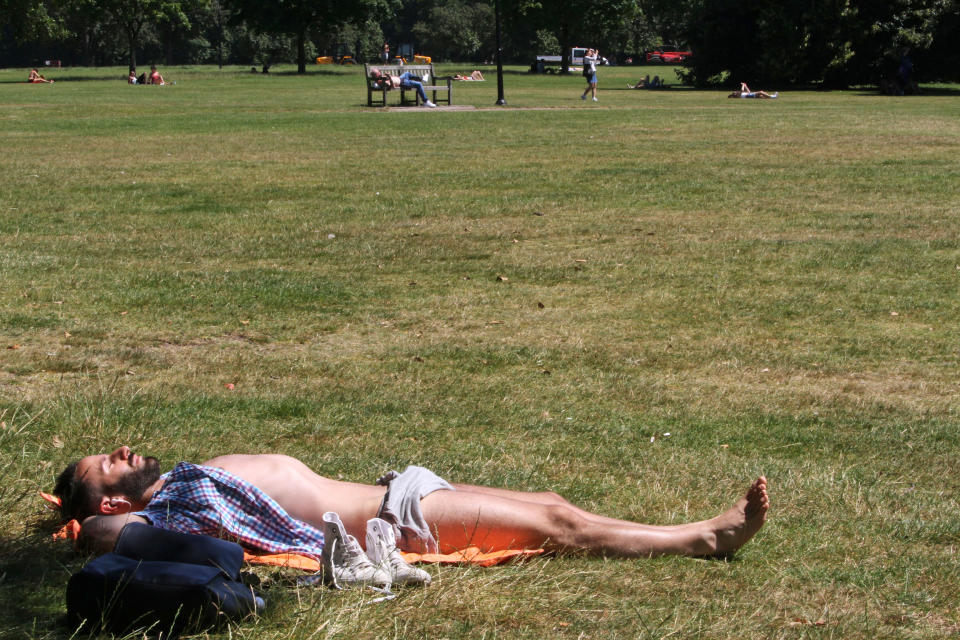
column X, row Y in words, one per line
column 298, row 17
column 882, row 31
column 456, row 30
column 579, row 22
column 757, row 41
column 29, row 20
column 827, row 42
column 942, row 60
column 133, row 15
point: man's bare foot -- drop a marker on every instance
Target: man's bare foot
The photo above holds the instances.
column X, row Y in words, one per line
column 739, row 523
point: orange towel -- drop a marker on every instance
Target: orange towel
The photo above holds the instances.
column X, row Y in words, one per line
column 69, row 531
column 289, row 560
column 470, row 555
column 473, row 555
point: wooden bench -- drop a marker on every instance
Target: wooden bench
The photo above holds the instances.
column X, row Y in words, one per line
column 377, row 96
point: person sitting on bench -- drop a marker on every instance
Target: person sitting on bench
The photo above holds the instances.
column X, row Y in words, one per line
column 406, row 80
column 274, row 502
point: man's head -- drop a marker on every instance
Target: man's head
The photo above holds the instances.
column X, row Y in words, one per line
column 375, row 73
column 106, row 484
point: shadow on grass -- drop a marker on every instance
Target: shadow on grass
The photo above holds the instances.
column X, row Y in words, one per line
column 335, row 71
column 924, row 92
column 33, row 579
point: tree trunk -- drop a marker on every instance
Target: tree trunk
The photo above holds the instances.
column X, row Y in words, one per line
column 132, row 42
column 302, row 51
column 565, row 47
column 133, row 36
column 169, row 35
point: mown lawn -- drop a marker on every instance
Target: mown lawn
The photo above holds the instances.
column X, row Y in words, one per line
column 531, row 297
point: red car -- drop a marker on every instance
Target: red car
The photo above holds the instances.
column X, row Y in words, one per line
column 668, row 56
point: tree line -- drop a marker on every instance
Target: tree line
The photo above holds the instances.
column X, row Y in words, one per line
column 831, row 43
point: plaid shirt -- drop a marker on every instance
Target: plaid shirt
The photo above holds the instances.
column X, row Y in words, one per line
column 211, row 501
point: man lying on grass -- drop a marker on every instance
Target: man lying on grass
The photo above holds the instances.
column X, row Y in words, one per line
column 276, row 504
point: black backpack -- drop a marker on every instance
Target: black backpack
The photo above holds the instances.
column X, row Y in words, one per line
column 162, row 581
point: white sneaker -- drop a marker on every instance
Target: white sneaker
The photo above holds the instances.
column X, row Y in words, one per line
column 594, row 99
column 430, row 104
column 344, row 563
column 382, row 551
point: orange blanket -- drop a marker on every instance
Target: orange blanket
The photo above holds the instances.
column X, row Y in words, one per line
column 470, row 555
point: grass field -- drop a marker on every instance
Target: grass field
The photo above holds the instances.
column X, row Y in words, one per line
column 532, row 297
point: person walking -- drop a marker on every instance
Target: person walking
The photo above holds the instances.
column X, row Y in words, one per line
column 590, row 73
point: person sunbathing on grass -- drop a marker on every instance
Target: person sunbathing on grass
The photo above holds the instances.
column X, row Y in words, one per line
column 475, row 76
column 646, row 83
column 745, row 92
column 36, row 78
column 155, row 77
column 276, row 504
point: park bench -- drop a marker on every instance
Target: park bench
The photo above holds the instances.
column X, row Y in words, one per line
column 377, row 97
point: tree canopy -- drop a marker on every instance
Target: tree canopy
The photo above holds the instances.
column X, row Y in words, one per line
column 795, row 42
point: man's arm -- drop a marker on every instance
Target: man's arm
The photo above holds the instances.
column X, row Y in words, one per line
column 99, row 534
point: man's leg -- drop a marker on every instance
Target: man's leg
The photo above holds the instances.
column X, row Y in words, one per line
column 494, row 521
column 548, row 498
column 407, row 82
column 420, row 92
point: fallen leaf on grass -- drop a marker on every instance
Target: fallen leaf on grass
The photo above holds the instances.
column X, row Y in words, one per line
column 894, row 313
column 539, row 305
column 229, row 386
column 244, row 322
column 798, row 622
column 57, row 442
column 13, row 346
column 502, row 278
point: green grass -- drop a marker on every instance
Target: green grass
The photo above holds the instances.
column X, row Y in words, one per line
column 526, row 297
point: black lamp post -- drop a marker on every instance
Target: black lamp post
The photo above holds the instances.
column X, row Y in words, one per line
column 500, row 99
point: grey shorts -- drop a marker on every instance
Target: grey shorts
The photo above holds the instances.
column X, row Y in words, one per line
column 401, row 506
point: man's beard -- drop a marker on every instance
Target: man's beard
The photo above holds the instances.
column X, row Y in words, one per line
column 135, row 484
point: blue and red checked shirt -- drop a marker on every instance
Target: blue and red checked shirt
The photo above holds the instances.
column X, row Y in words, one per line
column 214, row 502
